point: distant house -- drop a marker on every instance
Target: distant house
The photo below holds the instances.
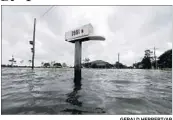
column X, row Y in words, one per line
column 119, row 65
column 98, row 64
column 140, row 66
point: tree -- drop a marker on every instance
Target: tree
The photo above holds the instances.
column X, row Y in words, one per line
column 57, row 65
column 138, row 65
column 42, row 63
column 12, row 61
column 86, row 63
column 86, row 60
column 119, row 65
column 64, row 65
column 148, row 53
column 146, row 61
column 52, row 63
column 165, row 60
column 46, row 65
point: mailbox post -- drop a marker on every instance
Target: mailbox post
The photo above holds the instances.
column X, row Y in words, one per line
column 77, row 64
column 77, row 36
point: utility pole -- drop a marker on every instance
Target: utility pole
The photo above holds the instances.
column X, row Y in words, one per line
column 118, row 61
column 33, row 55
column 155, row 57
column 33, row 44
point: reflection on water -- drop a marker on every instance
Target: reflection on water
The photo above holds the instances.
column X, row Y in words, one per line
column 73, row 96
column 73, row 99
column 101, row 91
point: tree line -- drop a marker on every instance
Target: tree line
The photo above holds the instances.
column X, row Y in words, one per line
column 43, row 64
column 53, row 64
column 148, row 61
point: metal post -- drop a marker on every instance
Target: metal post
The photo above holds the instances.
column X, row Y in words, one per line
column 77, row 36
column 77, row 63
column 33, row 55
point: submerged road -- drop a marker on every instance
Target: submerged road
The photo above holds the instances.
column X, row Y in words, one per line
column 102, row 91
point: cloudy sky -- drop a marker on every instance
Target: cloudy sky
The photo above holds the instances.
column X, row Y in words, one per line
column 129, row 30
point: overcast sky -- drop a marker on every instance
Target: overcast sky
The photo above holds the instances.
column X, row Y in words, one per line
column 129, row 30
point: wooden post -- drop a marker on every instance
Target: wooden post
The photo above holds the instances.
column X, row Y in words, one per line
column 77, row 62
column 33, row 54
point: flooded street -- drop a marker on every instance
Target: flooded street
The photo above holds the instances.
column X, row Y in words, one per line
column 103, row 91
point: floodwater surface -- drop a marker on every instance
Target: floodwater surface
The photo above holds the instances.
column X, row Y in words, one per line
column 102, row 91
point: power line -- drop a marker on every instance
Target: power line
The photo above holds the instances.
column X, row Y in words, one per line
column 46, row 11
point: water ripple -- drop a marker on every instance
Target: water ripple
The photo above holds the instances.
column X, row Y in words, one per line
column 103, row 91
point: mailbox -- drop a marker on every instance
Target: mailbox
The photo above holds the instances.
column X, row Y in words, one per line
column 78, row 33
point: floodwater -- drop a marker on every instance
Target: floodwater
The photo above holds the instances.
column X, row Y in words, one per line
column 102, row 91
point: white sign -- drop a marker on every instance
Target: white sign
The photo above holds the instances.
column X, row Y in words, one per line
column 78, row 33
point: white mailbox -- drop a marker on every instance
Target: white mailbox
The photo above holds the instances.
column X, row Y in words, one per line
column 78, row 33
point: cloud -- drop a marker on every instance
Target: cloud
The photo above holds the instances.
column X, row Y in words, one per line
column 128, row 57
column 169, row 45
column 128, row 30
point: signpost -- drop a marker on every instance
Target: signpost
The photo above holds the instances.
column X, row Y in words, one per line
column 77, row 36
